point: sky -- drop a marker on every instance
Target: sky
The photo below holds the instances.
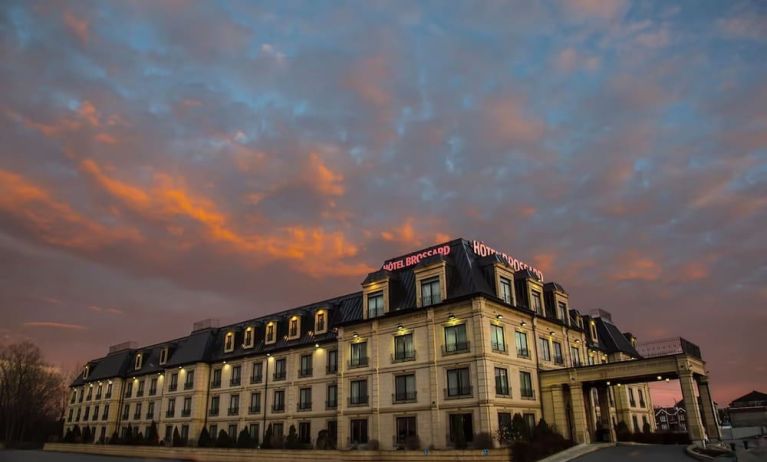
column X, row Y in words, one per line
column 165, row 162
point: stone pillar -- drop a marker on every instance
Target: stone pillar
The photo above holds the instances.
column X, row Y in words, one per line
column 603, row 394
column 622, row 408
column 709, row 412
column 694, row 422
column 580, row 424
column 558, row 411
column 591, row 411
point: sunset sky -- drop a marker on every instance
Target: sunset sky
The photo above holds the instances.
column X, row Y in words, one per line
column 166, row 161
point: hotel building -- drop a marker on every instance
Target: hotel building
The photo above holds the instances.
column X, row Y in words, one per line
column 448, row 340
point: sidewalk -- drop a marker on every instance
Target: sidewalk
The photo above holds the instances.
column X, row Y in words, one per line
column 576, row 451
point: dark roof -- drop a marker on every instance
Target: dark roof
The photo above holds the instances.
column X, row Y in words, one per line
column 467, row 274
column 754, row 396
column 612, row 338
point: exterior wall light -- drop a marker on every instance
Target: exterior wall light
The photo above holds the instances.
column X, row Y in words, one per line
column 660, row 378
column 316, row 345
column 400, row 326
column 608, row 383
column 355, row 335
column 499, row 316
column 523, row 323
column 450, row 316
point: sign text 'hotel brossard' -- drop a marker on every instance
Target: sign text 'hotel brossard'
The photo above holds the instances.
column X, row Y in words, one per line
column 481, row 249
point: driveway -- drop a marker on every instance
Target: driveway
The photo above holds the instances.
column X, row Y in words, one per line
column 644, row 453
column 40, row 456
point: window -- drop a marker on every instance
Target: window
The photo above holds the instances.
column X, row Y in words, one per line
column 632, row 401
column 543, row 346
column 171, row 411
column 593, row 331
column 247, row 341
column 173, row 385
column 150, row 410
column 280, row 370
column 216, row 382
column 305, row 399
column 163, row 356
column 430, row 294
column 232, row 431
column 271, row 334
column 277, row 429
column 305, row 369
column 404, row 388
column 189, row 382
column 236, row 377
column 561, row 311
column 214, row 401
column 558, row 358
column 403, row 348
column 636, row 424
column 140, row 391
column 234, row 404
column 253, row 431
column 461, row 423
column 98, row 391
column 526, row 385
column 641, row 398
column 109, row 391
column 536, row 301
column 71, row 411
column 305, row 432
column 405, row 428
column 645, row 422
column 153, row 386
column 320, row 322
column 256, row 374
column 375, row 304
column 359, row 431
column 293, row 327
column 359, row 355
column 90, row 393
column 504, row 426
column 128, row 390
column 186, row 410
column 77, row 418
column 575, row 355
column 86, row 371
column 521, row 340
column 358, row 393
column 530, row 419
column 168, row 432
column 255, row 403
column 279, row 401
column 139, row 358
column 458, row 383
column 332, row 401
column 105, row 414
column 455, row 339
column 332, row 367
column 497, row 339
column 502, row 382
column 88, row 411
column 229, row 342
column 505, row 290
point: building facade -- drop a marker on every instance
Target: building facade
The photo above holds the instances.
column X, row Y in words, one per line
column 442, row 344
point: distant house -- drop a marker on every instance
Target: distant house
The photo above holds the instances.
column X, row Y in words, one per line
column 671, row 419
column 749, row 410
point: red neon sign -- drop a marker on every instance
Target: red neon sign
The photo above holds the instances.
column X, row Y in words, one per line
column 484, row 250
column 415, row 258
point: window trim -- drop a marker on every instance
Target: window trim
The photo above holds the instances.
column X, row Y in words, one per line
column 297, row 319
column 138, row 361
column 323, row 312
column 163, row 356
column 229, row 345
column 252, row 342
column 268, row 340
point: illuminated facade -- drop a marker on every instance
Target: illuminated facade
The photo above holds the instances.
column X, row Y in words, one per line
column 443, row 343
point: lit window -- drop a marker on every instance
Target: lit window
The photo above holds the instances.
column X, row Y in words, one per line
column 139, row 357
column 375, row 304
column 320, row 322
column 593, row 331
column 536, row 301
column 164, row 355
column 271, row 336
column 430, row 293
column 293, row 327
column 505, row 291
column 229, row 342
column 248, row 338
column 545, row 350
column 86, row 371
column 497, row 339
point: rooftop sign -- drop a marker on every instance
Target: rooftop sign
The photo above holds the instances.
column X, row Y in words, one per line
column 416, row 257
column 484, row 250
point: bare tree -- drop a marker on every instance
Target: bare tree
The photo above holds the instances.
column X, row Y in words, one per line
column 30, row 393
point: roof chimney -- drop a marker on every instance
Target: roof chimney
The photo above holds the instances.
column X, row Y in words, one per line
column 122, row 346
column 209, row 323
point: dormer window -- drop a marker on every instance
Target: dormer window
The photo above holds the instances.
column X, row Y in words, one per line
column 535, row 298
column 271, row 334
column 294, row 327
column 164, row 356
column 562, row 311
column 320, row 322
column 375, row 304
column 247, row 341
column 139, row 360
column 86, row 371
column 229, row 342
column 593, row 331
column 430, row 292
column 504, row 290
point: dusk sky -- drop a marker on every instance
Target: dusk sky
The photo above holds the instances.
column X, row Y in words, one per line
column 162, row 162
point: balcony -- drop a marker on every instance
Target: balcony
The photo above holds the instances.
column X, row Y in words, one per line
column 331, row 369
column 149, row 416
column 279, row 375
column 455, row 348
column 139, row 393
column 499, row 347
column 233, row 411
column 559, row 360
column 404, row 397
column 331, row 404
column 173, row 387
column 136, row 416
column 108, row 396
column 188, row 385
column 254, row 409
column 186, row 412
column 278, row 408
column 358, row 362
column 358, row 401
column 458, row 392
column 152, row 391
column 170, row 414
column 98, row 397
column 216, row 384
column 213, row 412
column 502, row 391
column 255, row 379
column 305, row 372
column 305, row 406
column 528, row 394
column 234, row 382
column 523, row 353
column 641, row 404
column 402, row 356
column 81, row 398
column 125, row 417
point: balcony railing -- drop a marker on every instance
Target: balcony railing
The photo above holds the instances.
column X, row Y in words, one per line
column 255, row 379
column 135, row 416
column 170, row 414
column 331, row 369
column 152, row 391
column 331, row 404
column 216, row 384
column 254, row 409
column 358, row 362
column 358, row 400
column 188, row 385
column 456, row 347
column 528, row 394
column 128, row 393
column 278, row 408
column 98, row 396
column 108, row 396
column 305, row 406
column 234, row 382
column 523, row 352
column 149, row 415
column 641, row 404
column 559, row 360
column 430, row 300
column 279, row 375
column 502, row 390
column 499, row 347
column 125, row 416
column 173, row 387
column 305, row 372
column 139, row 393
column 458, row 392
column 233, row 411
column 402, row 356
column 404, row 397
column 213, row 411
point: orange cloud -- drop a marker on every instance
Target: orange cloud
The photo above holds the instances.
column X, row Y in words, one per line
column 54, row 325
column 544, row 261
column 405, row 233
column 325, row 180
column 507, row 121
column 633, row 266
column 601, row 9
column 79, row 27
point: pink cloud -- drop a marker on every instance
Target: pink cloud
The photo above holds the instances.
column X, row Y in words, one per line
column 54, row 325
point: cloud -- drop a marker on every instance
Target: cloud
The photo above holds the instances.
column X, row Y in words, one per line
column 53, row 325
column 77, row 26
column 599, row 9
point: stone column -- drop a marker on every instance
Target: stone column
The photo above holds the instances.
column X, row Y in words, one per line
column 580, row 424
column 558, row 411
column 622, row 408
column 603, row 394
column 709, row 412
column 694, row 422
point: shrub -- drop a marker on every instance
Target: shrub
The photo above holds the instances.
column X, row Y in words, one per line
column 224, row 440
column 483, row 440
column 545, row 441
column 244, row 440
column 115, row 438
column 412, row 443
column 646, row 428
column 152, row 436
column 177, row 441
column 292, row 441
column 86, row 435
column 68, row 438
column 622, row 432
column 204, row 440
column 77, row 437
column 323, row 441
column 267, row 444
column 138, row 439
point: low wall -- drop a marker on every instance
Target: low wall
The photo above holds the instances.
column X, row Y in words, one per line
column 274, row 455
